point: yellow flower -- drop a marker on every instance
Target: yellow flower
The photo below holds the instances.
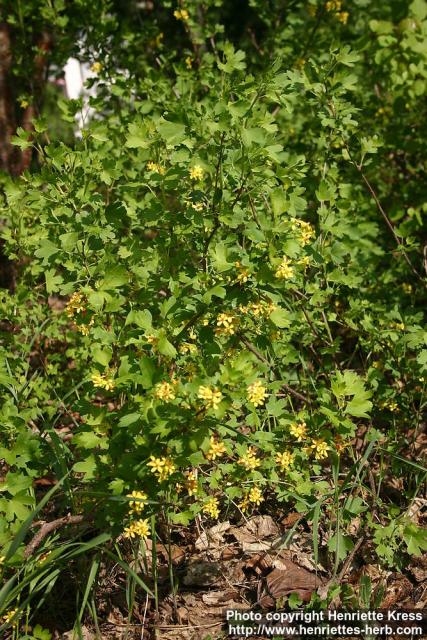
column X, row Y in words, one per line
column 211, row 508
column 103, row 381
column 154, row 166
column 2, row 559
column 161, row 467
column 212, row 397
column 284, row 271
column 151, row 339
column 333, row 5
column 255, row 496
column 249, row 460
column 188, row 347
column 242, row 273
column 164, row 391
column 137, row 529
column 299, row 431
column 226, row 324
column 189, row 62
column 138, row 501
column 96, row 67
column 305, row 229
column 407, row 288
column 24, row 103
column 285, row 460
column 76, row 304
column 191, row 483
column 196, row 172
column 257, row 393
column 7, row 618
column 181, row 14
column 84, row 329
column 216, row 449
column 343, row 17
column 305, row 261
column 244, row 504
column 320, row 448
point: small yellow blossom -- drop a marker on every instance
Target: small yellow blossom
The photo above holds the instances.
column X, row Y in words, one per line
column 212, row 397
column 7, row 617
column 181, row 14
column 257, row 393
column 103, row 381
column 242, row 273
column 211, row 508
column 96, row 67
column 285, row 460
column 189, row 62
column 151, row 339
column 24, row 104
column 43, row 557
column 340, row 445
column 76, row 304
column 305, row 229
column 188, row 347
column 407, row 288
column 191, row 483
column 244, row 504
column 84, row 329
column 138, row 500
column 333, row 5
column 164, row 391
column 284, row 271
column 137, row 529
column 226, row 324
column 154, row 166
column 161, row 467
column 343, row 17
column 305, row 261
column 255, row 496
column 320, row 448
column 196, row 172
column 249, row 460
column 216, row 449
column 299, row 431
column 2, row 559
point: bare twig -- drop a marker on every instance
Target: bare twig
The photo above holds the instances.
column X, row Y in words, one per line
column 47, row 528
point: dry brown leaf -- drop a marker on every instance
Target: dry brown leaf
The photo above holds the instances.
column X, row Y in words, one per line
column 255, row 530
column 202, row 574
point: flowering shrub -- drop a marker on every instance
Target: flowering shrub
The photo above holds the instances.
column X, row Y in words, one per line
column 213, row 303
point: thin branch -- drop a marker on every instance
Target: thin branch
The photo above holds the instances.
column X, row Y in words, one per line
column 47, row 528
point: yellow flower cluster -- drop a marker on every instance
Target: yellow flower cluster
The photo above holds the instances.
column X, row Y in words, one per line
column 76, row 304
column 189, row 62
column 188, row 347
column 137, row 502
column 333, row 5
column 103, row 381
column 191, row 483
column 259, row 309
column 211, row 508
column 181, row 14
column 285, row 460
column 226, row 324
column 161, row 467
column 211, row 397
column 257, row 393
column 254, row 496
column 249, row 460
column 216, row 449
column 137, row 529
column 164, row 391
column 153, row 340
column 284, row 271
column 7, row 617
column 320, row 448
column 96, row 67
column 305, row 229
column 155, row 166
column 242, row 273
column 299, row 431
column 391, row 405
column 196, row 172
column 407, row 288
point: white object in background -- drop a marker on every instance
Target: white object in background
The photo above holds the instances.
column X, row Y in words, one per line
column 76, row 73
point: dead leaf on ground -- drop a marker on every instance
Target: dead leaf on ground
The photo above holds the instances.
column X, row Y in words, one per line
column 293, row 579
column 256, row 529
column 212, row 540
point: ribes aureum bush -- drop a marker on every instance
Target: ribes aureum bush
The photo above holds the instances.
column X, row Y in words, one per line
column 212, row 316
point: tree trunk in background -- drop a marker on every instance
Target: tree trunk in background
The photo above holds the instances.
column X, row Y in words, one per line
column 13, row 160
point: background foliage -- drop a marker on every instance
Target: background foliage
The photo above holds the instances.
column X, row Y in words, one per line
column 220, row 287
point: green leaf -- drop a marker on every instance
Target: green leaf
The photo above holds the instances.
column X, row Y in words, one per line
column 165, row 347
column 115, row 277
column 280, row 317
